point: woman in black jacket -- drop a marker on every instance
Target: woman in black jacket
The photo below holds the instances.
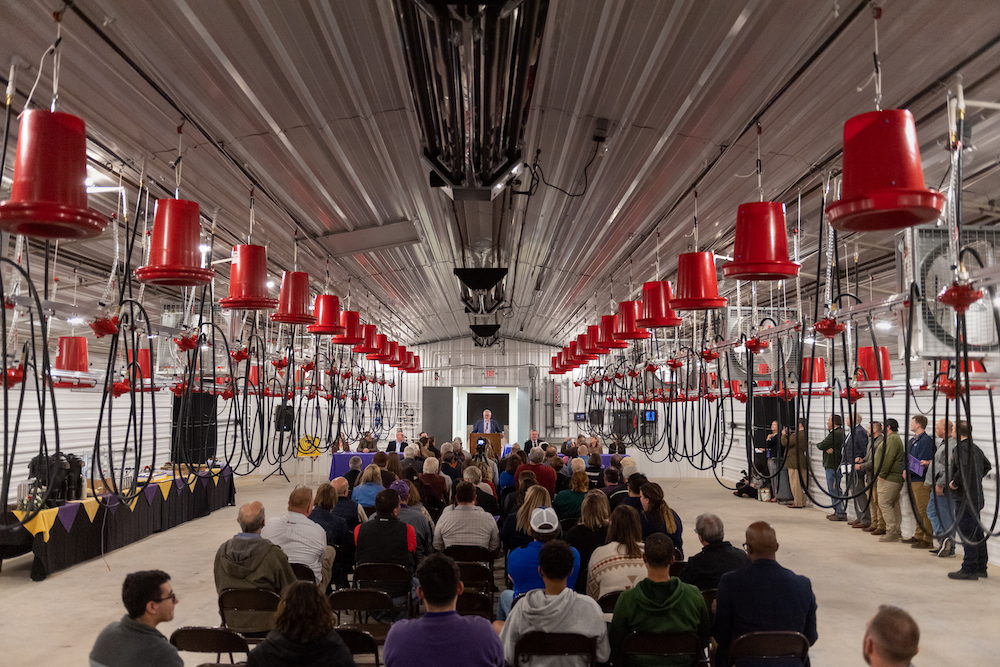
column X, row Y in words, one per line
column 303, row 634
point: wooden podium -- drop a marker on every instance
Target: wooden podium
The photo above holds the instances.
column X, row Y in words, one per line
column 494, row 440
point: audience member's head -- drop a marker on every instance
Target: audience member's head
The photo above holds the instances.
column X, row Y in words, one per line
column 892, row 425
column 655, row 505
column 326, row 496
column 892, row 638
column 411, row 451
column 381, row 459
column 578, row 465
column 440, row 583
column 658, row 552
column 465, row 493
column 762, row 543
column 579, row 482
column 536, row 455
column 526, row 475
column 616, row 461
column 573, row 452
column 371, row 475
column 412, row 497
column 555, row 563
column 545, row 524
column 301, row 500
column 611, row 476
column 304, row 614
column 355, row 463
column 628, row 470
column 511, row 465
column 837, row 420
column 626, row 529
column 341, row 485
column 595, row 510
column 557, row 464
column 148, row 596
column 251, row 517
column 386, row 502
column 402, row 489
column 635, row 482
column 709, row 528
column 394, row 465
column 583, row 451
column 943, row 428
column 431, row 466
column 536, row 496
column 472, row 473
column 594, row 461
column 920, row 421
column 963, row 430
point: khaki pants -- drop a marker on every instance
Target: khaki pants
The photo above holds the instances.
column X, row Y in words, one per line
column 878, row 521
column 328, row 557
column 798, row 493
column 922, row 494
column 888, row 503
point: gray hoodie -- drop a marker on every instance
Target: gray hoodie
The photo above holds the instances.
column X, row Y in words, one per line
column 567, row 612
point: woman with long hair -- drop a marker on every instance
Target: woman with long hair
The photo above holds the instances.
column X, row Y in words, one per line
column 618, row 565
column 517, row 528
column 657, row 517
column 303, row 633
column 369, row 485
column 567, row 503
column 595, row 471
column 323, row 514
column 590, row 532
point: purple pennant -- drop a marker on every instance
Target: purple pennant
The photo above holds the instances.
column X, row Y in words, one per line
column 179, row 483
column 151, row 490
column 204, row 482
column 67, row 514
column 113, row 504
column 226, row 472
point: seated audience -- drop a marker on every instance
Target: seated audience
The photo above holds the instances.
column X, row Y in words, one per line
column 386, row 539
column 614, row 488
column 250, row 561
column 522, row 564
column 302, row 540
column 410, row 459
column 618, row 564
column 657, row 517
column 892, row 638
column 471, row 640
column 551, row 454
column 589, row 533
column 659, row 603
column 562, row 481
column 415, row 516
column 303, row 633
column 394, row 465
column 347, row 509
column 368, row 486
column 567, row 503
column 450, row 465
column 134, row 640
column 507, row 476
column 633, row 498
column 517, row 527
column 555, row 607
column 595, row 471
column 545, row 475
column 354, row 472
column 440, row 485
column 387, row 477
column 515, row 499
column 716, row 557
column 484, row 494
column 323, row 514
column 762, row 596
column 465, row 524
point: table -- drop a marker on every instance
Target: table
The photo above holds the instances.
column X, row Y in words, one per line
column 81, row 530
column 605, row 458
column 342, row 461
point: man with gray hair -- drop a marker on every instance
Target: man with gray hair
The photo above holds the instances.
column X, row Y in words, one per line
column 717, row 556
column 410, row 459
column 457, row 449
column 450, row 466
column 892, row 638
column 250, row 561
column 484, row 495
column 355, row 471
column 545, row 475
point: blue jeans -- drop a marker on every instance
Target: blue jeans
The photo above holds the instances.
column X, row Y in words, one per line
column 505, row 603
column 941, row 512
column 833, row 488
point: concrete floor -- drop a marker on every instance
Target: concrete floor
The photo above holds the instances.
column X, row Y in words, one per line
column 56, row 621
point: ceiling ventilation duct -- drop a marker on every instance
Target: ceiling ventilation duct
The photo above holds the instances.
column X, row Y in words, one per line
column 482, row 289
column 485, row 335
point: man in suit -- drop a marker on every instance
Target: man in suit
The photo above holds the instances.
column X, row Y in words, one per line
column 762, row 596
column 397, row 445
column 532, row 441
column 487, row 424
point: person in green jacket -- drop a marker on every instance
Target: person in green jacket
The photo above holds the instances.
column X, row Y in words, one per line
column 568, row 503
column 659, row 603
column 889, row 464
column 832, row 447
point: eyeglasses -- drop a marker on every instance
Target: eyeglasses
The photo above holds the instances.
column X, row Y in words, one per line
column 172, row 596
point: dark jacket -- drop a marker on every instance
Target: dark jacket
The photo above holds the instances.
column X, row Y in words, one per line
column 386, row 539
column 487, row 502
column 347, row 510
column 585, row 541
column 760, row 597
column 334, row 525
column 856, row 444
column 969, row 465
column 835, row 441
column 705, row 568
column 278, row 651
column 921, row 448
column 352, row 477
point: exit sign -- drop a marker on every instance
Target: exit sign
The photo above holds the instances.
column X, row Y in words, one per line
column 491, row 373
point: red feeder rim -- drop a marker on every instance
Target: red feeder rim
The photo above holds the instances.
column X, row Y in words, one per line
column 629, row 313
column 761, row 249
column 609, row 324
column 382, row 342
column 656, row 311
column 697, row 284
column 174, row 255
column 368, row 346
column 248, row 280
column 326, row 308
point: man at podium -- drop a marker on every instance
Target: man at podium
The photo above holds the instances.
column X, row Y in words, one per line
column 487, row 424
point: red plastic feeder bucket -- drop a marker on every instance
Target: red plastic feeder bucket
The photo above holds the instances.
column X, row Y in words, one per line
column 142, row 361
column 761, row 250
column 407, row 365
column 248, row 280
column 575, row 357
column 869, row 363
column 326, row 308
column 399, row 358
column 393, row 354
column 48, row 196
column 581, row 348
column 382, row 343
column 174, row 257
column 293, row 300
column 763, row 369
column 594, row 340
column 72, row 354
column 609, row 324
column 556, row 368
column 814, row 367
column 697, row 284
column 656, row 311
column 416, row 364
column 353, row 334
column 629, row 313
column 368, row 344
column 566, row 360
column 883, row 178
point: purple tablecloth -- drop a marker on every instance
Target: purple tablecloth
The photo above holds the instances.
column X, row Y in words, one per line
column 341, row 462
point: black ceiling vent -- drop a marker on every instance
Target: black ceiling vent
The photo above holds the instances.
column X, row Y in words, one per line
column 484, row 330
column 480, row 279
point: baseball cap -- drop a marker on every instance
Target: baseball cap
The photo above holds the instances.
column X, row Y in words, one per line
column 544, row 520
column 402, row 488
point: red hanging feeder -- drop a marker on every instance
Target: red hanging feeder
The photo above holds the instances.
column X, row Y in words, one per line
column 48, row 195
column 567, row 361
column 143, row 362
column 869, row 364
column 575, row 357
column 368, row 344
column 761, row 250
column 408, row 365
column 697, row 284
column 293, row 300
column 326, row 308
column 399, row 358
column 883, row 178
column 393, row 353
column 594, row 340
column 656, row 312
column 555, row 368
column 815, row 368
column 382, row 343
column 174, row 255
column 353, row 334
column 629, row 313
column 609, row 323
column 415, row 368
column 248, row 280
column 581, row 348
column 72, row 354
column 763, row 369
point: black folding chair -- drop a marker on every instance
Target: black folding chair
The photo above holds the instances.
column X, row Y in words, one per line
column 379, row 575
column 210, row 640
column 476, row 604
column 303, row 572
column 677, row 646
column 359, row 642
column 772, row 645
column 362, row 602
column 709, row 596
column 237, row 600
column 677, row 568
column 556, row 644
column 470, row 554
column 608, row 601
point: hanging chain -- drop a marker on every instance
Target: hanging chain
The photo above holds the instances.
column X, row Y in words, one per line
column 876, row 15
column 696, row 221
column 177, row 162
column 760, row 169
column 827, row 296
column 252, row 217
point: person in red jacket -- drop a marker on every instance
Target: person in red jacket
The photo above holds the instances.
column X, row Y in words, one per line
column 545, row 475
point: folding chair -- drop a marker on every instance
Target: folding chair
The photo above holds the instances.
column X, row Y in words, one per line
column 470, row 554
column 363, row 602
column 556, row 644
column 677, row 568
column 210, row 640
column 709, row 595
column 240, row 600
column 476, row 604
column 303, row 572
column 370, row 575
column 359, row 642
column 674, row 645
column 567, row 524
column 772, row 645
column 608, row 601
column 477, row 576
